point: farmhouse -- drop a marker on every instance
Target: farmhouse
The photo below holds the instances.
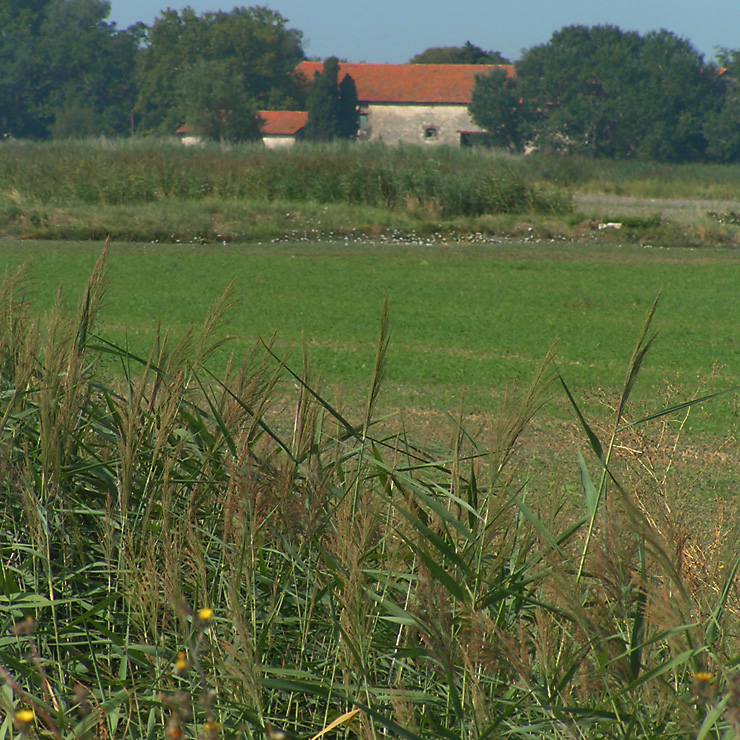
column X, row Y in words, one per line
column 413, row 103
column 281, row 128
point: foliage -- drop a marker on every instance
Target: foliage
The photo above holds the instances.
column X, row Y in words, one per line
column 289, row 571
column 496, row 107
column 467, row 54
column 722, row 125
column 251, row 51
column 218, row 106
column 610, row 93
column 64, row 70
column 332, row 106
column 394, row 178
column 349, row 110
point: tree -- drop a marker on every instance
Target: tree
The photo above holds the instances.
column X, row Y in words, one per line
column 21, row 68
column 252, row 47
column 611, row 93
column 496, row 107
column 59, row 59
column 349, row 111
column 468, row 54
column 219, row 106
column 89, row 66
column 722, row 125
column 332, row 107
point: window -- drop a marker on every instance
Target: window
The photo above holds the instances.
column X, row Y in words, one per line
column 430, row 133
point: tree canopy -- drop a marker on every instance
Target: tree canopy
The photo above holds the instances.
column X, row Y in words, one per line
column 467, row 54
column 64, row 70
column 236, row 62
column 608, row 92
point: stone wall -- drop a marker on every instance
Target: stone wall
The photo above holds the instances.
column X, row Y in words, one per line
column 416, row 124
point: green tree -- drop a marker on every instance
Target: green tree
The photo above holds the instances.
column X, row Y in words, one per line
column 332, row 107
column 612, row 93
column 722, row 125
column 467, row 54
column 58, row 59
column 252, row 48
column 21, row 68
column 496, row 107
column 89, row 66
column 349, row 111
column 219, row 106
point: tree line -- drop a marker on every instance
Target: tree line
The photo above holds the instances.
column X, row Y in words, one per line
column 65, row 71
column 612, row 93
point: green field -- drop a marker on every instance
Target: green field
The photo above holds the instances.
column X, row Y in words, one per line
column 464, row 320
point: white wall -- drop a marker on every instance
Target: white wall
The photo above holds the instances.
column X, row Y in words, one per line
column 417, row 124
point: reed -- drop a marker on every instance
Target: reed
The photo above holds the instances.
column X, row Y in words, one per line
column 445, row 183
column 182, row 556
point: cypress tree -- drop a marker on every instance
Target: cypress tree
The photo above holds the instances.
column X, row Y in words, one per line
column 332, row 107
column 349, row 112
column 323, row 103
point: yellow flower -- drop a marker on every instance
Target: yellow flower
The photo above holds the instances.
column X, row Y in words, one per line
column 703, row 676
column 181, row 663
column 24, row 716
column 205, row 614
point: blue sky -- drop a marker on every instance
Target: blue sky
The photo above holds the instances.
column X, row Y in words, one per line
column 395, row 30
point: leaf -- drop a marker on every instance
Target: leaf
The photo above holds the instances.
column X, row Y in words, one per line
column 592, row 438
column 719, row 607
column 589, row 490
column 344, row 719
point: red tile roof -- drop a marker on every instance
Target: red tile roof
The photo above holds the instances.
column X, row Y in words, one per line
column 409, row 83
column 282, row 122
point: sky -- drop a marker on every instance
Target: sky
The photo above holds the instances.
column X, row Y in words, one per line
column 395, row 30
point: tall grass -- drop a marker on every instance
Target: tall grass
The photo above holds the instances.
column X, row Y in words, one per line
column 182, row 557
column 446, row 183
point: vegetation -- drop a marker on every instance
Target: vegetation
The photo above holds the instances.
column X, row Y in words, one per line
column 610, row 93
column 152, row 190
column 467, row 54
column 476, row 315
column 64, row 70
column 332, row 105
column 45, row 179
column 213, row 71
column 179, row 559
column 67, row 73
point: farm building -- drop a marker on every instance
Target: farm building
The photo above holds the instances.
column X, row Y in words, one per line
column 282, row 128
column 413, row 103
column 279, row 128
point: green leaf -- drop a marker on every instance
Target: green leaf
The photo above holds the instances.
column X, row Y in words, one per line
column 589, row 490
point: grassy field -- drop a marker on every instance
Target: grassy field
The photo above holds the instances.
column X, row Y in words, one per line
column 466, row 321
column 156, row 191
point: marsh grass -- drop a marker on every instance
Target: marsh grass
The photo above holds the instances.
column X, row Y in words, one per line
column 177, row 562
column 445, row 182
column 154, row 190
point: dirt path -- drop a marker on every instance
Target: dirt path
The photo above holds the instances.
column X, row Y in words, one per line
column 613, row 206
